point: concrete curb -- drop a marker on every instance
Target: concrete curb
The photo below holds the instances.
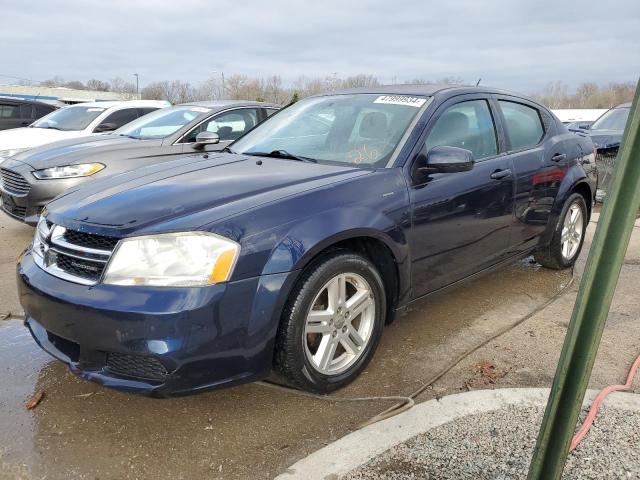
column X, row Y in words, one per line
column 357, row 448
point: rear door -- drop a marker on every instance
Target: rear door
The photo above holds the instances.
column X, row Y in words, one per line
column 527, row 129
column 118, row 118
column 461, row 221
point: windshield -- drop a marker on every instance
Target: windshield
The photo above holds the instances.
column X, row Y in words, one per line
column 161, row 123
column 69, row 118
column 614, row 119
column 362, row 130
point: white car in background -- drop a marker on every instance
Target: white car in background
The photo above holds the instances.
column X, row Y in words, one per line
column 78, row 120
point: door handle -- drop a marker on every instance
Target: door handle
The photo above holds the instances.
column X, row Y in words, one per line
column 501, row 174
column 558, row 157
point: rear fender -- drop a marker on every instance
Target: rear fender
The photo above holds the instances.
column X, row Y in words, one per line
column 575, row 176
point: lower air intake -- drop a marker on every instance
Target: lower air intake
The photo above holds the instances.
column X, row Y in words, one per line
column 136, row 366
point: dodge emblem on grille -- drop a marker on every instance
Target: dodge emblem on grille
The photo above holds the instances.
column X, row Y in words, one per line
column 84, row 267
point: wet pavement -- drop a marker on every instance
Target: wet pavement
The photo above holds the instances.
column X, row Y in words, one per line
column 81, row 430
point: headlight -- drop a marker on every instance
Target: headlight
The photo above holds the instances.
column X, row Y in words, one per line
column 41, row 234
column 11, row 151
column 189, row 259
column 68, row 171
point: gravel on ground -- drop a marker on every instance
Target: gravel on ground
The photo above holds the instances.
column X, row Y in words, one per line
column 498, row 446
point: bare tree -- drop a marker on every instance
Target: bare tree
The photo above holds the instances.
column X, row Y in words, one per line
column 361, row 80
column 442, row 81
column 126, row 89
column 174, row 91
column 587, row 95
column 98, row 85
column 56, row 81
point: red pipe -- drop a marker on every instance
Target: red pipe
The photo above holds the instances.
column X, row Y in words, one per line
column 577, row 438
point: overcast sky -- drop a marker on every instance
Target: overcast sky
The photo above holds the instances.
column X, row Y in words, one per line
column 520, row 45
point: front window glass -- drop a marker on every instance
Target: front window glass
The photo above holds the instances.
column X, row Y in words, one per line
column 467, row 125
column 69, row 118
column 161, row 123
column 614, row 119
column 359, row 130
column 229, row 126
column 9, row 111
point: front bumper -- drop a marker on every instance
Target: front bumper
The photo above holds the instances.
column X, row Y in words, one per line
column 173, row 340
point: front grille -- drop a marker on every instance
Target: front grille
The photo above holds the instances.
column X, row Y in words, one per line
column 83, row 268
column 90, row 241
column 9, row 206
column 13, row 182
column 71, row 255
column 136, row 366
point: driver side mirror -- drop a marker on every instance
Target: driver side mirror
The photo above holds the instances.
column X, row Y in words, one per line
column 105, row 127
column 443, row 159
column 206, row 138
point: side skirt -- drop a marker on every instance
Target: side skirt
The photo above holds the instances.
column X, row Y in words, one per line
column 471, row 277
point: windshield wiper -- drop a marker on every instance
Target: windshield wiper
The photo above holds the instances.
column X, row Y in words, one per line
column 282, row 154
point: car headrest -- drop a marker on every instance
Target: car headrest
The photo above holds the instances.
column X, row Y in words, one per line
column 450, row 129
column 374, row 125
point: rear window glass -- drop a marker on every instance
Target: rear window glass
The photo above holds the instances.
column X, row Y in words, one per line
column 523, row 124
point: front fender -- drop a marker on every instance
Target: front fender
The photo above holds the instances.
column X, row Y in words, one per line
column 306, row 239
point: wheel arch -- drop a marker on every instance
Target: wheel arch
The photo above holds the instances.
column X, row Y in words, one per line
column 573, row 183
column 389, row 254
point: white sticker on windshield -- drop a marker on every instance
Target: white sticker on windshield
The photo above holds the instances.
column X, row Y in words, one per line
column 95, row 109
column 416, row 102
column 200, row 109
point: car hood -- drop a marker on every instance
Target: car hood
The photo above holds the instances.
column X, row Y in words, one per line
column 29, row 137
column 221, row 184
column 605, row 138
column 76, row 150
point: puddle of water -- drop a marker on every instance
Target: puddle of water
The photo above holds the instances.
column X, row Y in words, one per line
column 82, row 430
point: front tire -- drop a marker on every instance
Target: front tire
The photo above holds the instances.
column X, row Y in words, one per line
column 568, row 236
column 332, row 323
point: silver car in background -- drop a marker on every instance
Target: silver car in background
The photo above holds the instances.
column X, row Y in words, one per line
column 29, row 180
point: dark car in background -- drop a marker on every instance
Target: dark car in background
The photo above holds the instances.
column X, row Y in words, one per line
column 30, row 179
column 293, row 248
column 606, row 134
column 17, row 112
column 578, row 126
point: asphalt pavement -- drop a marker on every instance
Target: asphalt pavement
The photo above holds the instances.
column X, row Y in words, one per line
column 82, row 430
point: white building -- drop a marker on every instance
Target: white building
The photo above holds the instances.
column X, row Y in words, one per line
column 59, row 95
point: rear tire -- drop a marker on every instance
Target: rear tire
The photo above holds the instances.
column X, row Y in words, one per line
column 568, row 236
column 331, row 324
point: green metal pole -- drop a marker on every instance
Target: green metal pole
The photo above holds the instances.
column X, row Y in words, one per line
column 592, row 307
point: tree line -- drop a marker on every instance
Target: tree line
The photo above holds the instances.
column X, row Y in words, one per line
column 273, row 89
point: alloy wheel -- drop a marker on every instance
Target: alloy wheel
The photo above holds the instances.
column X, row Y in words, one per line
column 572, row 231
column 339, row 324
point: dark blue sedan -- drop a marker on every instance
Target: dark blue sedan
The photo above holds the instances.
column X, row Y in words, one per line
column 293, row 248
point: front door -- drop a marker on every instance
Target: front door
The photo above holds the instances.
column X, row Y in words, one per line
column 229, row 126
column 461, row 221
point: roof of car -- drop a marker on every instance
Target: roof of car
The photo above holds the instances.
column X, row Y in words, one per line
column 422, row 89
column 122, row 103
column 229, row 103
column 624, row 105
column 25, row 100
